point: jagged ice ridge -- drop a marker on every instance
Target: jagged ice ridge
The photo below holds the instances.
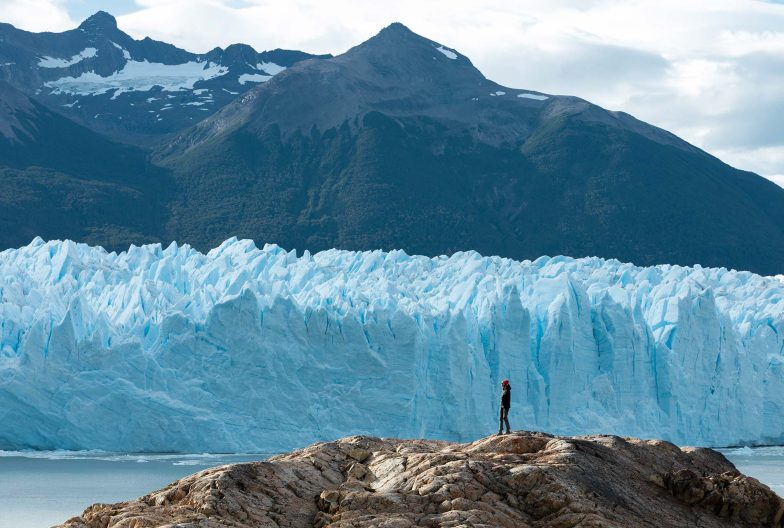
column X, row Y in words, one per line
column 247, row 349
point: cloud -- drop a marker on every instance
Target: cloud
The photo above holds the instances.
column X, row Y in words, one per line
column 26, row 14
column 764, row 160
column 710, row 71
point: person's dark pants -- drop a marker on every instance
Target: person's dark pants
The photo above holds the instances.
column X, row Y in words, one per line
column 504, row 419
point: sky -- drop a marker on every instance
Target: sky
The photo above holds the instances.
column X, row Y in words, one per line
column 711, row 71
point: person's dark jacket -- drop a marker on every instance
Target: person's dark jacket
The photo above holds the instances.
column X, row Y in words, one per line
column 506, row 397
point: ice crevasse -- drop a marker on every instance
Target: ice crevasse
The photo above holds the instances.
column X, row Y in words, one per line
column 248, row 349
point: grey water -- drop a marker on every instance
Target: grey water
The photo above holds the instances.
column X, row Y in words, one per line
column 766, row 464
column 40, row 489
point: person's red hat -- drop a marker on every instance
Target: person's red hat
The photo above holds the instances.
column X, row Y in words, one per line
column 505, row 382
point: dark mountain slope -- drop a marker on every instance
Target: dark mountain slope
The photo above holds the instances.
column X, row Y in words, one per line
column 402, row 143
column 59, row 179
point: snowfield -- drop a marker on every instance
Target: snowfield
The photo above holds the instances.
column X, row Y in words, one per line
column 536, row 97
column 139, row 76
column 447, row 52
column 253, row 77
column 51, row 62
column 247, row 349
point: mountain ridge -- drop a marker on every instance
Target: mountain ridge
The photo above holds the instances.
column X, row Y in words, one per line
column 473, row 164
column 402, row 143
column 397, row 39
column 132, row 90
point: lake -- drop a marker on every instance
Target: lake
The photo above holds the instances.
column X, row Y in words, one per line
column 39, row 489
column 766, row 464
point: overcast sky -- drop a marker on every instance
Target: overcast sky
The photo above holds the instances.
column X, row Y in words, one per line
column 711, row 71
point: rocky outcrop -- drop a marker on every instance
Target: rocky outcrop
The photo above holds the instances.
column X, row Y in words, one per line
column 517, row 480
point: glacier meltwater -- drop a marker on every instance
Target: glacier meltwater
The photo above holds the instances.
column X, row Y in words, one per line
column 247, row 349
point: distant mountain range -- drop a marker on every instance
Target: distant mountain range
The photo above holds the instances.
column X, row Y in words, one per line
column 398, row 143
column 133, row 90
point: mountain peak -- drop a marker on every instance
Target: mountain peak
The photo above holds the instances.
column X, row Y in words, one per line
column 396, row 33
column 398, row 52
column 397, row 43
column 397, row 27
column 100, row 21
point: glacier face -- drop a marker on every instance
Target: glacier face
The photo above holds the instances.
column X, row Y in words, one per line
column 247, row 349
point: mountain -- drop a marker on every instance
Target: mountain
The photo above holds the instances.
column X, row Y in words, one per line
column 398, row 143
column 134, row 90
column 58, row 177
column 259, row 350
column 402, row 143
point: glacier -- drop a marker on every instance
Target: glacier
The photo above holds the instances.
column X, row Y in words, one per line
column 245, row 349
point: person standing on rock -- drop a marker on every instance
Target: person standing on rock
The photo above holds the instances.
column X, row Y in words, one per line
column 506, row 401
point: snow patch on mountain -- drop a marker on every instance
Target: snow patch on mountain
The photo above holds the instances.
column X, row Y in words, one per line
column 270, row 68
column 253, row 77
column 139, row 76
column 51, row 62
column 125, row 52
column 537, row 97
column 449, row 53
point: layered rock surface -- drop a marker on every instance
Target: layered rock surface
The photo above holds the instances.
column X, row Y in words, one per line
column 521, row 480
